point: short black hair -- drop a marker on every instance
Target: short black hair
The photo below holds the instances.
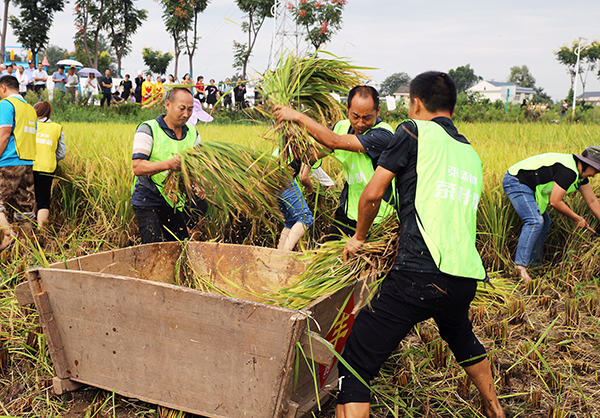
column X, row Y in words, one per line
column 364, row 91
column 436, row 90
column 172, row 92
column 10, row 82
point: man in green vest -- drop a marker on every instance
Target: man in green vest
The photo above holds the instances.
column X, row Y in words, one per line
column 439, row 178
column 18, row 123
column 357, row 142
column 156, row 147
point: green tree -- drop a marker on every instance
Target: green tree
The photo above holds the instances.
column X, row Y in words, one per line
column 156, row 61
column 393, row 82
column 257, row 11
column 177, row 22
column 464, row 77
column 191, row 9
column 541, row 96
column 127, row 21
column 321, row 18
column 90, row 18
column 521, row 76
column 589, row 56
column 104, row 58
column 34, row 22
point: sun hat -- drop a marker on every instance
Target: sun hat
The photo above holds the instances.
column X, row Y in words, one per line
column 591, row 155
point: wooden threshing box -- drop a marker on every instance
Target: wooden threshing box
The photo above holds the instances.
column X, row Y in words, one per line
column 115, row 321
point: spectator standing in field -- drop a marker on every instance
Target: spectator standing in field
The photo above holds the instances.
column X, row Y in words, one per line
column 139, row 80
column 563, row 108
column 106, row 84
column 200, row 89
column 9, row 70
column 356, row 142
column 39, row 77
column 91, row 87
column 541, row 181
column 170, row 81
column 59, row 78
column 211, row 94
column 50, row 149
column 239, row 94
column 17, row 152
column 147, row 90
column 23, row 80
column 437, row 267
column 29, row 73
column 155, row 147
column 187, row 80
column 159, row 90
column 72, row 83
column 227, row 93
column 126, row 85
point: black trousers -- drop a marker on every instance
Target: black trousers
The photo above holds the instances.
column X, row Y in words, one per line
column 106, row 97
column 160, row 223
column 405, row 299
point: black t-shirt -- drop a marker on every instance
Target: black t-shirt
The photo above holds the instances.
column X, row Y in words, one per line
column 558, row 173
column 401, row 158
column 211, row 92
column 374, row 141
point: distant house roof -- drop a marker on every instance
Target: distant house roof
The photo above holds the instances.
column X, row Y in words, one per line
column 590, row 96
column 500, row 84
column 402, row 91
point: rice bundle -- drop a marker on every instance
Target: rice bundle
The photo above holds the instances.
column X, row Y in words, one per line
column 235, row 178
column 306, row 84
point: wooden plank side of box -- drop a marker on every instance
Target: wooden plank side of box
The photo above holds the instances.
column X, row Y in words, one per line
column 202, row 353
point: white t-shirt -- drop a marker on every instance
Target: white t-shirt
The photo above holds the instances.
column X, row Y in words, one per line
column 91, row 85
column 72, row 80
column 23, row 80
column 40, row 74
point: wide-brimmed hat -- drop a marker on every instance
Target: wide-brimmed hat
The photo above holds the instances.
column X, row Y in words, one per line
column 591, row 155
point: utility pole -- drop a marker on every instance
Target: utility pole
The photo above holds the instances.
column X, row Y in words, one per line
column 576, row 74
column 288, row 36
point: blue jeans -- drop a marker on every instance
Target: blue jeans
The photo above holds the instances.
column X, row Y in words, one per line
column 293, row 207
column 535, row 229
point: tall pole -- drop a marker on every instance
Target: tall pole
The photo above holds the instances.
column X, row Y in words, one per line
column 576, row 74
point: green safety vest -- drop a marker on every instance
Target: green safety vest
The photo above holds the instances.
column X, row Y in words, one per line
column 48, row 134
column 543, row 191
column 25, row 129
column 358, row 170
column 165, row 148
column 449, row 182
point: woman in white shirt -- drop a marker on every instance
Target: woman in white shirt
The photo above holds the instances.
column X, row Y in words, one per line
column 23, row 80
column 91, row 86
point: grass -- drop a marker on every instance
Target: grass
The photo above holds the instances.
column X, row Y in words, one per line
column 543, row 341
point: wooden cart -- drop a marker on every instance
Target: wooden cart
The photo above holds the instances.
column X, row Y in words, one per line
column 115, row 321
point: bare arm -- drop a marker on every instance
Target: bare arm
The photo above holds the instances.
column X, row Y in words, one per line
column 556, row 201
column 4, row 137
column 323, row 135
column 368, row 207
column 590, row 198
column 148, row 168
column 304, row 177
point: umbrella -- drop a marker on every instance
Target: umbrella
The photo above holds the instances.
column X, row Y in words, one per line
column 70, row 63
column 85, row 72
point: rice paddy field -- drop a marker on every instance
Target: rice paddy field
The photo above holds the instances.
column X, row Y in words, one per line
column 543, row 340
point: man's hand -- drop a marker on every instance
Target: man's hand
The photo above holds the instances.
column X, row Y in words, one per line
column 352, row 247
column 286, row 113
column 174, row 163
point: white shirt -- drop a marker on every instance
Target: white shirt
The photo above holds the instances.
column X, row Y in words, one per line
column 23, row 80
column 40, row 74
column 72, row 80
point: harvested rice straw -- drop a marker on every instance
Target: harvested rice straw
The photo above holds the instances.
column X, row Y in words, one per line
column 306, row 84
column 235, row 178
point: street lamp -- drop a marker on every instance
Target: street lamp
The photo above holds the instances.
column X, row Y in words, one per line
column 576, row 74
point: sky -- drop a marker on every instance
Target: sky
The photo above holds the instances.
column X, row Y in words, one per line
column 391, row 36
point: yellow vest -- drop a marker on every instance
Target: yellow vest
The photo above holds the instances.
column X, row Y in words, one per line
column 24, row 131
column 47, row 137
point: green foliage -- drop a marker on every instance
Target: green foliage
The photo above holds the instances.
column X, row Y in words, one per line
column 156, row 61
column 321, row 18
column 464, row 77
column 105, row 58
column 35, row 21
column 521, row 76
column 128, row 19
column 393, row 82
column 541, row 96
column 256, row 11
column 589, row 55
column 54, row 54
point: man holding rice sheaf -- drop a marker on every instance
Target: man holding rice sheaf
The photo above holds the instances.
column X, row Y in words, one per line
column 357, row 142
column 156, row 146
column 437, row 268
